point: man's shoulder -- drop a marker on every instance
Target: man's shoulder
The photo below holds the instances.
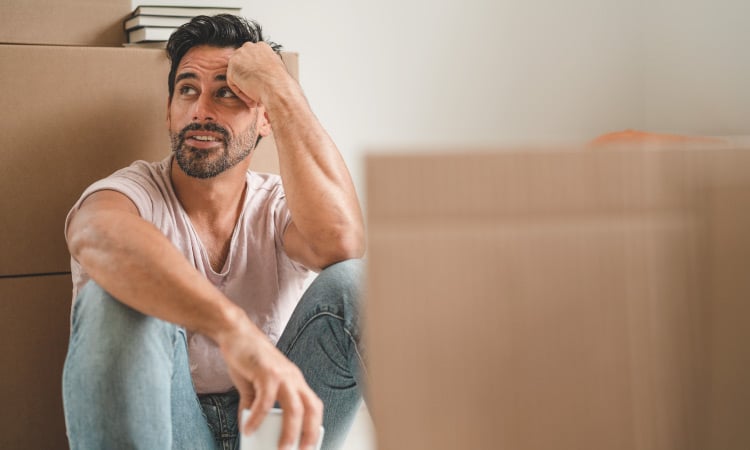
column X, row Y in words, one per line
column 144, row 182
column 146, row 175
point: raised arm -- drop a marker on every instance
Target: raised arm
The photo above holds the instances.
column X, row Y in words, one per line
column 327, row 224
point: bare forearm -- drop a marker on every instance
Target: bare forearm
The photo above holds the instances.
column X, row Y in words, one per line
column 327, row 223
column 319, row 188
column 134, row 262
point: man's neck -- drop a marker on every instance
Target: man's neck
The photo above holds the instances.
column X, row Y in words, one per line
column 211, row 199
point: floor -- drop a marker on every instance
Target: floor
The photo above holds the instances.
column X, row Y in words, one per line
column 362, row 434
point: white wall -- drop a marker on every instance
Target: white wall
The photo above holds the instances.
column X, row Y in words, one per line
column 396, row 74
column 698, row 78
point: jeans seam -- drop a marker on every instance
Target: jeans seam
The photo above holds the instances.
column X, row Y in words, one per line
column 359, row 355
column 346, row 330
column 307, row 323
column 223, row 435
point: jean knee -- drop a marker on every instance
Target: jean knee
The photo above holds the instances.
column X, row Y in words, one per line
column 95, row 307
column 342, row 279
column 336, row 290
column 106, row 324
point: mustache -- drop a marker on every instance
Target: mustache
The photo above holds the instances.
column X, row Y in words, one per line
column 210, row 126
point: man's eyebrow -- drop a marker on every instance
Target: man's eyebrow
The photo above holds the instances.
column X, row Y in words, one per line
column 193, row 76
column 184, row 76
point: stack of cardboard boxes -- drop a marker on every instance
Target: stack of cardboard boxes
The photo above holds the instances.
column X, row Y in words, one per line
column 76, row 107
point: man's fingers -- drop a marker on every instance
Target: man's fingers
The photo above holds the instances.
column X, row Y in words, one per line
column 253, row 70
column 312, row 422
column 293, row 415
column 245, row 403
column 264, row 400
column 267, row 377
column 251, row 103
column 247, row 397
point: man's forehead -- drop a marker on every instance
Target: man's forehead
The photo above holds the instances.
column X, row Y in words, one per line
column 205, row 59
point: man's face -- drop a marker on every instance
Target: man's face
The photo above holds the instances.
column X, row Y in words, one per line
column 211, row 129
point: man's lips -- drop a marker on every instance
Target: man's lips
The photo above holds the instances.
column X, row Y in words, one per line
column 202, row 139
column 206, row 136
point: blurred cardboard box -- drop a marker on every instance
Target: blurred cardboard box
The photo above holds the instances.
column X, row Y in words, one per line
column 560, row 299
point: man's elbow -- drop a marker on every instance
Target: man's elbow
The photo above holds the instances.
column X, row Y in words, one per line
column 82, row 235
column 75, row 244
column 350, row 245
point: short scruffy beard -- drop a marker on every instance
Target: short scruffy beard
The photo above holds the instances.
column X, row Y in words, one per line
column 200, row 163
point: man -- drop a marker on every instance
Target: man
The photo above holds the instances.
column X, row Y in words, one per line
column 187, row 271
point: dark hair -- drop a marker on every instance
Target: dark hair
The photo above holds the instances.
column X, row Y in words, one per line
column 223, row 30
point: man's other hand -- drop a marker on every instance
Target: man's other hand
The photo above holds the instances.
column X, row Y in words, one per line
column 263, row 375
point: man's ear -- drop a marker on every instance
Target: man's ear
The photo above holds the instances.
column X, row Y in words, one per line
column 264, row 125
column 169, row 116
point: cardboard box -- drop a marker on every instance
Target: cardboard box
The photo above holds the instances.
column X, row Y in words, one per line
column 559, row 299
column 73, row 115
column 34, row 326
column 69, row 22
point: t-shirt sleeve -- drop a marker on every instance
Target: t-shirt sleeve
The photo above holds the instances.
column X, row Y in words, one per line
column 134, row 182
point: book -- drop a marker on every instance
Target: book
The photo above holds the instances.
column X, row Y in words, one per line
column 198, row 3
column 148, row 34
column 182, row 11
column 154, row 21
column 147, row 44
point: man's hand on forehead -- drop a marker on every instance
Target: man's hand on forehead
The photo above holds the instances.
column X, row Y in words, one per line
column 254, row 72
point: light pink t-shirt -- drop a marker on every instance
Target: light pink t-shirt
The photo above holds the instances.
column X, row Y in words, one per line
column 258, row 275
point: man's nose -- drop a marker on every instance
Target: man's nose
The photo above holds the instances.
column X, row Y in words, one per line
column 203, row 108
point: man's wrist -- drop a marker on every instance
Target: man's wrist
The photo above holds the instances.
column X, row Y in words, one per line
column 232, row 320
column 287, row 107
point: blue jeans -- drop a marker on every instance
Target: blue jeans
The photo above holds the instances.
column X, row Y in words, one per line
column 127, row 383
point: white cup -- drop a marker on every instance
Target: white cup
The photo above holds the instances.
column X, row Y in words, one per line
column 266, row 437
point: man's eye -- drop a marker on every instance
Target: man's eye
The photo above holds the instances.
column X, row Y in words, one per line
column 187, row 90
column 226, row 93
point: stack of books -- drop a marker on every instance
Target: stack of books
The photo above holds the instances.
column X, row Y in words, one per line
column 151, row 26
